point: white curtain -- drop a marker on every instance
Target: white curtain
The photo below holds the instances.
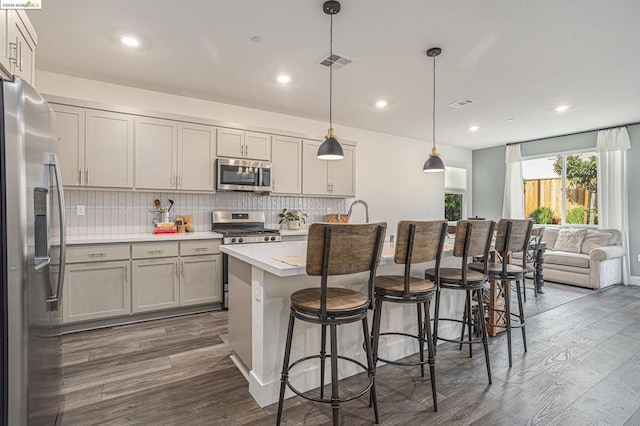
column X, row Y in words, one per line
column 513, row 203
column 612, row 187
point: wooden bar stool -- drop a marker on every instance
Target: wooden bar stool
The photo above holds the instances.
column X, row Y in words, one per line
column 513, row 236
column 336, row 249
column 473, row 239
column 418, row 242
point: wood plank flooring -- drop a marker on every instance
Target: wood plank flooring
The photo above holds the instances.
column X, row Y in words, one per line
column 582, row 368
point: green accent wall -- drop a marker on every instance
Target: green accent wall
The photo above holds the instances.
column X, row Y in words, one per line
column 488, row 178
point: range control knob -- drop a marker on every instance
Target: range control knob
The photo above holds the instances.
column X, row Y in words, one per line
column 266, row 238
column 233, row 240
column 240, row 240
column 273, row 238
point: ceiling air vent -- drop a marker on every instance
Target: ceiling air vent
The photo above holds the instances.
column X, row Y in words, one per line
column 337, row 61
column 462, row 103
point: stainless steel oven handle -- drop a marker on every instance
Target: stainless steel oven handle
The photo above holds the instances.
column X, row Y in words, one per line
column 54, row 300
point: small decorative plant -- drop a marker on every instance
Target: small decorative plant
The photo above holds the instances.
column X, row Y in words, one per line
column 293, row 218
column 542, row 215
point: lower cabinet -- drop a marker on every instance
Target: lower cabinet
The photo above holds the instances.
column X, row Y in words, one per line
column 199, row 280
column 96, row 290
column 156, row 284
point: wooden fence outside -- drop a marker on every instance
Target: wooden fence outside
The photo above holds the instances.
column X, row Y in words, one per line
column 548, row 193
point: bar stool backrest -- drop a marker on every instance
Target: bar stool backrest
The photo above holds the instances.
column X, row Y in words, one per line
column 342, row 249
column 473, row 239
column 513, row 236
column 419, row 242
column 534, row 243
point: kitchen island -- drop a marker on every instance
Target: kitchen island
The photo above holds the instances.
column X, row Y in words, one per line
column 259, row 290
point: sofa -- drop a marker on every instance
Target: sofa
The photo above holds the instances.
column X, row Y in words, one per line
column 583, row 257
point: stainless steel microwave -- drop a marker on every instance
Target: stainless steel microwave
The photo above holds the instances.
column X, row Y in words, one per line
column 243, row 175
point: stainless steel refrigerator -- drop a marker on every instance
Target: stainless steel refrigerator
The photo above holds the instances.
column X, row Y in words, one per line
column 32, row 225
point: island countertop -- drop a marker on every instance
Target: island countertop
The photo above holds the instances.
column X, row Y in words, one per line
column 262, row 255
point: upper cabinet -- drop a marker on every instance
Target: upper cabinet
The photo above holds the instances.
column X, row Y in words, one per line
column 96, row 147
column 286, row 165
column 196, row 156
column 18, row 41
column 240, row 144
column 108, row 149
column 172, row 155
column 155, row 142
column 322, row 177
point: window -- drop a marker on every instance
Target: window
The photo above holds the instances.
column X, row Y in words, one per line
column 562, row 189
column 455, row 183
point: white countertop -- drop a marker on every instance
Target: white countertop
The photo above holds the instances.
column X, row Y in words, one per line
column 262, row 255
column 131, row 238
column 291, row 233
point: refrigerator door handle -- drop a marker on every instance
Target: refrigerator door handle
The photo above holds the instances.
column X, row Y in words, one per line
column 41, row 262
column 54, row 300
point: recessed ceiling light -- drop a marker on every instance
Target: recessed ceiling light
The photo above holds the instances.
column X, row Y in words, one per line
column 381, row 104
column 473, row 128
column 284, row 79
column 130, row 41
column 256, row 39
column 562, row 108
column 511, row 119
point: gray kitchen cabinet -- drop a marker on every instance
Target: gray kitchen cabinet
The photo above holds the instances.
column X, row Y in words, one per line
column 71, row 122
column 236, row 143
column 22, row 41
column 155, row 153
column 286, row 160
column 156, row 284
column 108, row 155
column 200, row 280
column 196, row 157
column 322, row 177
column 96, row 290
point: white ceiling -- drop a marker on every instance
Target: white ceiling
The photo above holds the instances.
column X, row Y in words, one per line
column 514, row 58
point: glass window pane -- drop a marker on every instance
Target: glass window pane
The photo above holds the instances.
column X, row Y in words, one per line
column 542, row 190
column 581, row 186
column 453, row 207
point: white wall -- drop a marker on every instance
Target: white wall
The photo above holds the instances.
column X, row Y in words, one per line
column 389, row 173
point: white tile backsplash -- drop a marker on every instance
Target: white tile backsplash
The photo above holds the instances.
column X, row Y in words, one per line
column 130, row 212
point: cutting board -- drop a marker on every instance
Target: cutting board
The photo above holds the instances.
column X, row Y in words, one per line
column 337, row 218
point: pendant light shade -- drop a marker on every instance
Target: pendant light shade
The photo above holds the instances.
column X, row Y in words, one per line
column 330, row 148
column 434, row 163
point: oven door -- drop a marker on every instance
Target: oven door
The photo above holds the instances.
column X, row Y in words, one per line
column 243, row 175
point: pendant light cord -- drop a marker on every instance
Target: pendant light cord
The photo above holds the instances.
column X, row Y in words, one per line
column 434, row 103
column 331, row 75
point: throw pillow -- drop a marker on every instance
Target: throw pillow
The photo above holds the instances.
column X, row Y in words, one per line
column 595, row 239
column 570, row 239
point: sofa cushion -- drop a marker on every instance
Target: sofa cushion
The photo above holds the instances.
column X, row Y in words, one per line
column 595, row 239
column 550, row 236
column 570, row 239
column 567, row 258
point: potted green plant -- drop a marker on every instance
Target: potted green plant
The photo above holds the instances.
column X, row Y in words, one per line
column 293, row 218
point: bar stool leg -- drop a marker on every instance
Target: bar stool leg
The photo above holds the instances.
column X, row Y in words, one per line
column 323, row 356
column 485, row 339
column 524, row 287
column 431, row 350
column 421, row 338
column 464, row 322
column 507, row 306
column 469, row 323
column 371, row 368
column 435, row 320
column 285, row 368
column 335, row 404
column 522, row 320
column 377, row 314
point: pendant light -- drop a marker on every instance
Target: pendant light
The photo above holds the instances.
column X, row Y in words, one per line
column 330, row 148
column 434, row 163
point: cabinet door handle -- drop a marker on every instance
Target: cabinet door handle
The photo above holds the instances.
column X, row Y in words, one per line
column 97, row 254
column 201, row 249
column 274, row 184
column 126, row 275
column 180, row 180
column 182, row 269
column 79, row 176
column 13, row 47
column 20, row 62
column 86, row 176
column 155, row 251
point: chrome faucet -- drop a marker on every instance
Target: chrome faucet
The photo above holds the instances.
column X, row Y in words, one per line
column 366, row 209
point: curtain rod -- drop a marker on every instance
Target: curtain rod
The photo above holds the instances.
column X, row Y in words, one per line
column 575, row 133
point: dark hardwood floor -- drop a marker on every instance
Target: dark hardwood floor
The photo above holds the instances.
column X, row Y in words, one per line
column 582, row 368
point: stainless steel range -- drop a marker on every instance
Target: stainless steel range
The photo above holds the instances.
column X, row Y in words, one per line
column 243, row 228
column 240, row 228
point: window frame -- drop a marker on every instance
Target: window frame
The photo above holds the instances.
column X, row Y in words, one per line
column 564, row 155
